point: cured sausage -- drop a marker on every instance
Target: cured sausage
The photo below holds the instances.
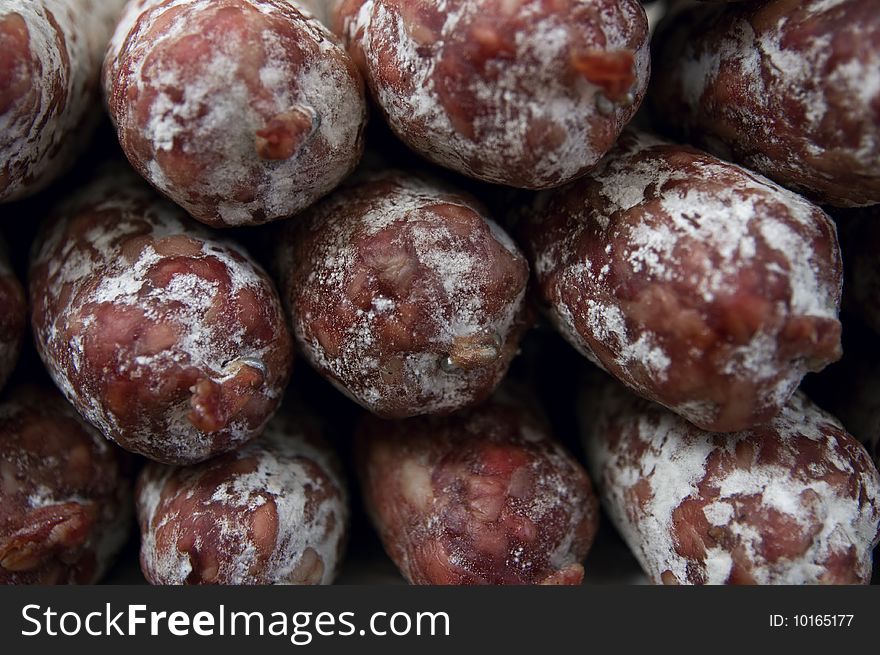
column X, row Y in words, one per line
column 795, row 501
column 241, row 111
column 274, row 512
column 404, row 294
column 65, row 493
column 170, row 340
column 484, row 496
column 788, row 89
column 525, row 93
column 50, row 63
column 701, row 286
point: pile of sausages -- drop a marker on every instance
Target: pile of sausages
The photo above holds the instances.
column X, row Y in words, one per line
column 693, row 205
